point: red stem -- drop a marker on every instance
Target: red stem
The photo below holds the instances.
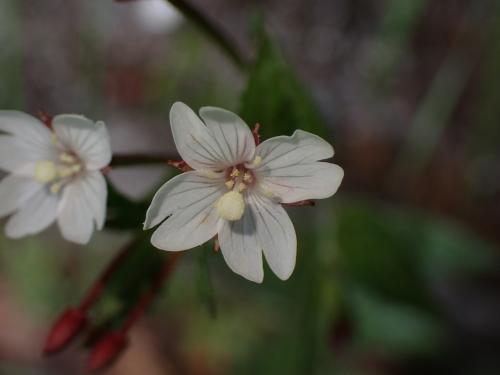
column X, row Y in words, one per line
column 100, row 283
column 146, row 299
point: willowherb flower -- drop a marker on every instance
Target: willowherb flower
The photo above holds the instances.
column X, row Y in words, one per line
column 236, row 190
column 55, row 174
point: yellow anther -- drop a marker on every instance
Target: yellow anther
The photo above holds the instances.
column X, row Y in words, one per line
column 256, row 161
column 231, row 206
column 67, row 158
column 247, row 177
column 241, row 187
column 229, row 184
column 76, row 168
column 64, row 171
column 235, row 173
column 267, row 192
column 45, row 171
column 208, row 173
column 56, row 187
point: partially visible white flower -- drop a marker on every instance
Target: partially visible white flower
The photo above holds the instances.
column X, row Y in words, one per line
column 236, row 190
column 54, row 174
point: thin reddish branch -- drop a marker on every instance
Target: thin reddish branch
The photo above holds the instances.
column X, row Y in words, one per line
column 101, row 282
column 148, row 296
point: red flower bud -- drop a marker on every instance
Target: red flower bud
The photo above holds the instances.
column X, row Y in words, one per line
column 106, row 351
column 64, row 330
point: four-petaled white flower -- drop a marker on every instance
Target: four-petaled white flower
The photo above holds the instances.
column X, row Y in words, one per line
column 54, row 174
column 236, row 190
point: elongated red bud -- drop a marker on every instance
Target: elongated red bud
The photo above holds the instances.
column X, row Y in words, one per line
column 106, row 351
column 64, row 330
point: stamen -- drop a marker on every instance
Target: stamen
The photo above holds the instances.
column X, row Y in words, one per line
column 76, row 168
column 229, row 184
column 256, row 161
column 235, row 173
column 67, row 158
column 267, row 192
column 53, row 138
column 64, row 171
column 247, row 177
column 45, row 171
column 241, row 187
column 56, row 187
column 208, row 173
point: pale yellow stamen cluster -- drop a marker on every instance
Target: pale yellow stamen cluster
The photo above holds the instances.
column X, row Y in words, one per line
column 57, row 175
column 231, row 205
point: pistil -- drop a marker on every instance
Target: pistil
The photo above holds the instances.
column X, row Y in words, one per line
column 56, row 175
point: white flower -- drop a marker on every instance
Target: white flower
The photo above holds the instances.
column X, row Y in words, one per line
column 236, row 190
column 54, row 174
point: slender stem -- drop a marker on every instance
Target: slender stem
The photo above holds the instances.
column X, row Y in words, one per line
column 100, row 283
column 149, row 295
column 208, row 27
column 135, row 159
column 219, row 37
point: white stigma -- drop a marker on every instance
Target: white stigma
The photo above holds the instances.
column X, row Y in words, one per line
column 45, row 171
column 231, row 206
column 57, row 174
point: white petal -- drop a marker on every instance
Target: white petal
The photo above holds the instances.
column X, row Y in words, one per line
column 26, row 127
column 234, row 138
column 15, row 191
column 76, row 211
column 178, row 192
column 275, row 233
column 193, row 140
column 19, row 156
column 28, row 142
column 34, row 216
column 301, row 147
column 190, row 200
column 239, row 246
column 294, row 183
column 92, row 187
column 88, row 139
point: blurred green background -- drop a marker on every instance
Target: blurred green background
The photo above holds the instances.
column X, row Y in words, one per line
column 398, row 273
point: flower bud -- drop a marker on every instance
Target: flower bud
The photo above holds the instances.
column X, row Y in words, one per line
column 64, row 330
column 106, row 350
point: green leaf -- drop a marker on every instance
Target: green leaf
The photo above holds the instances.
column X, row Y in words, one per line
column 393, row 327
column 275, row 98
column 204, row 280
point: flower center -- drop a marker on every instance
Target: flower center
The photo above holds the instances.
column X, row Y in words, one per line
column 56, row 175
column 231, row 206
